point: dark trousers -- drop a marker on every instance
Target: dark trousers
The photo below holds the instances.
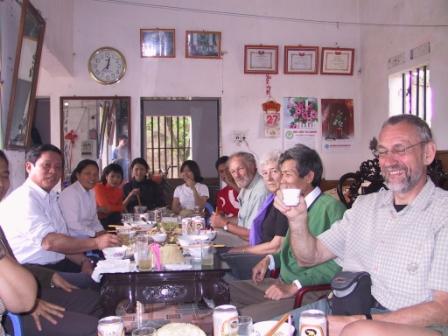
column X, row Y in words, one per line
column 72, row 273
column 81, row 314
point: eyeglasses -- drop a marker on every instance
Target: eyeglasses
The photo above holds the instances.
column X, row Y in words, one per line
column 398, row 150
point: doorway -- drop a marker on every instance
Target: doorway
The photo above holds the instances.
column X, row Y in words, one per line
column 179, row 129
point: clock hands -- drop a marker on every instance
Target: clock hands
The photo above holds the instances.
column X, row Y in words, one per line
column 107, row 65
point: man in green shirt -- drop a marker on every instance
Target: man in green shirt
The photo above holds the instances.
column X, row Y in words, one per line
column 262, row 298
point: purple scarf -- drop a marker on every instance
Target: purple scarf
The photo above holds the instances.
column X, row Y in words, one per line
column 255, row 236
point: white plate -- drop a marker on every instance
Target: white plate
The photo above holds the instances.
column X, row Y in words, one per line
column 263, row 327
column 178, row 267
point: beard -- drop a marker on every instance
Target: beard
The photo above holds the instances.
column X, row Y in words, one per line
column 243, row 182
column 408, row 181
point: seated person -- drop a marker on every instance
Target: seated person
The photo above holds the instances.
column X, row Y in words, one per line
column 109, row 195
column 268, row 228
column 142, row 191
column 301, row 167
column 33, row 222
column 399, row 236
column 58, row 300
column 253, row 192
column 226, row 198
column 192, row 195
column 77, row 201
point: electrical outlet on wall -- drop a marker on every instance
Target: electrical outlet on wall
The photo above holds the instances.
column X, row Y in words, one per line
column 239, row 137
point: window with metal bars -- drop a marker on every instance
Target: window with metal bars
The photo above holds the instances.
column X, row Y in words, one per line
column 168, row 143
column 410, row 93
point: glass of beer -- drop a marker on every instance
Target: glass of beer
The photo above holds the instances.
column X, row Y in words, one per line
column 111, row 326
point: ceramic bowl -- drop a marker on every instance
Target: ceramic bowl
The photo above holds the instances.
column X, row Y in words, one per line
column 264, row 326
column 210, row 234
column 159, row 237
column 118, row 252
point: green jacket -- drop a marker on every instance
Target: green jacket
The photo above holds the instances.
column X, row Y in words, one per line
column 321, row 215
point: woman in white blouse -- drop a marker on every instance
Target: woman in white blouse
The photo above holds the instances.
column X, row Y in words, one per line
column 192, row 194
column 77, row 201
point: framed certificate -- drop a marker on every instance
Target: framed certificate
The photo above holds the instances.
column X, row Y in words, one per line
column 260, row 59
column 301, row 60
column 337, row 61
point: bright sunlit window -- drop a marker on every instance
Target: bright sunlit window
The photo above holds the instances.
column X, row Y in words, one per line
column 410, row 93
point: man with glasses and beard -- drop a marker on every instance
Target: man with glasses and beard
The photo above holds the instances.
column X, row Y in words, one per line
column 399, row 236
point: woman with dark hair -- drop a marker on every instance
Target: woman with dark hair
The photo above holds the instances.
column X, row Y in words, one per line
column 109, row 195
column 192, row 194
column 77, row 201
column 140, row 190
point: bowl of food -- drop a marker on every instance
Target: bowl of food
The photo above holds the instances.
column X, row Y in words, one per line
column 118, row 252
column 159, row 237
column 264, row 326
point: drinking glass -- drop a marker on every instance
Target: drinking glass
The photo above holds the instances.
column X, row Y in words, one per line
column 142, row 254
column 245, row 326
column 127, row 218
column 144, row 331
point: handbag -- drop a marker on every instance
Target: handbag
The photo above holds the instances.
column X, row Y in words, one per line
column 351, row 293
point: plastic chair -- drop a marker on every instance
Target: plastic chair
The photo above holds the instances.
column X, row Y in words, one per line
column 16, row 323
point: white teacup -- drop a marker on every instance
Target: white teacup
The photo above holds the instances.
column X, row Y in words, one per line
column 291, row 196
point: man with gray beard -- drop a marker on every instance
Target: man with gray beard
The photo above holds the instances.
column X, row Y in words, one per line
column 243, row 168
column 399, row 236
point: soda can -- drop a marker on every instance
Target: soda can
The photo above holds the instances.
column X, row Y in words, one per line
column 111, row 326
column 313, row 322
column 225, row 321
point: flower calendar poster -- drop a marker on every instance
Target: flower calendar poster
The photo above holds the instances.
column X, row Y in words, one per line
column 338, row 125
column 301, row 120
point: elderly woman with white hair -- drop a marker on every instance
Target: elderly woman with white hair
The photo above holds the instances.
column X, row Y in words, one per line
column 269, row 227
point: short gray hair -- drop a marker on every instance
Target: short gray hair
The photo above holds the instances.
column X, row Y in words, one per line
column 421, row 126
column 248, row 158
column 271, row 156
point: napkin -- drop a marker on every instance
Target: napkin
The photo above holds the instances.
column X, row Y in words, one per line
column 177, row 267
column 110, row 266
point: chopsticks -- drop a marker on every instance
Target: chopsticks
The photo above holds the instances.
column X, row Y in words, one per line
column 277, row 325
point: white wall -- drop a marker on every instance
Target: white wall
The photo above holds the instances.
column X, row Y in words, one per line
column 381, row 43
column 97, row 24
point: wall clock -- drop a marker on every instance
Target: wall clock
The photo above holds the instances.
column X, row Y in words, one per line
column 107, row 65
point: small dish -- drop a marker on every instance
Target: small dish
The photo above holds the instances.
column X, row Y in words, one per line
column 118, row 252
column 159, row 237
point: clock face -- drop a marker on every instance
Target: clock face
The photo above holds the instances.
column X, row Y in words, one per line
column 107, row 65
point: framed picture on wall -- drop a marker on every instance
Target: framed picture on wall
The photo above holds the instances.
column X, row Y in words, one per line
column 260, row 59
column 202, row 44
column 301, row 60
column 157, row 42
column 337, row 61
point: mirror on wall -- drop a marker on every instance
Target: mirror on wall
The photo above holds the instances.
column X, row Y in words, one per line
column 96, row 128
column 26, row 70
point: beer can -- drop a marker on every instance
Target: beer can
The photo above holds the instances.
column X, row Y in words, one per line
column 313, row 322
column 186, row 226
column 111, row 326
column 225, row 321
